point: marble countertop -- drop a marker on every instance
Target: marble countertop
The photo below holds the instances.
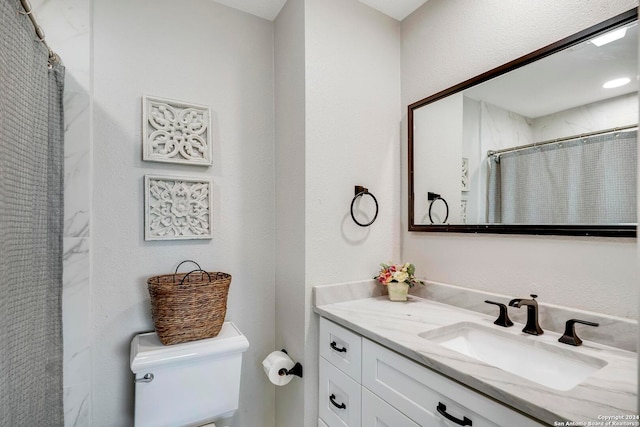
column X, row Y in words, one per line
column 609, row 392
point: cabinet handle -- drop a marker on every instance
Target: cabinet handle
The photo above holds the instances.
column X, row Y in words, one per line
column 442, row 409
column 339, row 406
column 339, row 350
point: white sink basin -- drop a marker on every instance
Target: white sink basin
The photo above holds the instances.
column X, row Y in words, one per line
column 525, row 356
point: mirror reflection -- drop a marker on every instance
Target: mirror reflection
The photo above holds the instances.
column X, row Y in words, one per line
column 551, row 143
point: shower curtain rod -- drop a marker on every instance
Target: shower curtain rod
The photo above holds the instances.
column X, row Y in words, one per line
column 28, row 10
column 554, row 141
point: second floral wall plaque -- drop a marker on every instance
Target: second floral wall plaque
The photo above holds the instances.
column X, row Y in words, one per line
column 177, row 208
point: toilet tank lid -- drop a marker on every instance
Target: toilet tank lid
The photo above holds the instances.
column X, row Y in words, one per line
column 147, row 351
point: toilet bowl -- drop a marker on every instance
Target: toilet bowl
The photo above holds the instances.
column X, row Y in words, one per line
column 189, row 384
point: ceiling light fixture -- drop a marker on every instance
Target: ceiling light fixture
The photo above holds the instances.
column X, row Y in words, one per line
column 616, row 83
column 609, row 37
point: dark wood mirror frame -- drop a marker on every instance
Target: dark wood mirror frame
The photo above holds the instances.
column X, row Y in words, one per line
column 614, row 230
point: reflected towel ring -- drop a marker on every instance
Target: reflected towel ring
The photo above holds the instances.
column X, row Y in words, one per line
column 433, row 197
column 361, row 191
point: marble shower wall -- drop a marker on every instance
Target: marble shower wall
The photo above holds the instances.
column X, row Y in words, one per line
column 609, row 113
column 67, row 28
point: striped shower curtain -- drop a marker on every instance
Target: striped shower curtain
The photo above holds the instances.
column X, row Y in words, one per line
column 31, row 184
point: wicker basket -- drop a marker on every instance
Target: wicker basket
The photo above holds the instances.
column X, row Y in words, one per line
column 188, row 306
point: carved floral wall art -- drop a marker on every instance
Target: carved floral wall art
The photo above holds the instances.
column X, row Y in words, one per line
column 176, row 132
column 178, row 208
column 465, row 174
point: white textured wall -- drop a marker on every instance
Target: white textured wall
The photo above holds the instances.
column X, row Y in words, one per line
column 471, row 150
column 209, row 54
column 352, row 138
column 448, row 41
column 440, row 125
column 290, row 204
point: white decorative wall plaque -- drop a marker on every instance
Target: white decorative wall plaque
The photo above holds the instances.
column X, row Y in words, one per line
column 463, row 211
column 176, row 132
column 465, row 174
column 177, row 208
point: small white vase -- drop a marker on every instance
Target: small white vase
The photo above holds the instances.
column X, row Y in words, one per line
column 397, row 291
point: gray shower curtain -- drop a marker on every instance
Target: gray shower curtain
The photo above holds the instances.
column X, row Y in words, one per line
column 581, row 181
column 31, row 215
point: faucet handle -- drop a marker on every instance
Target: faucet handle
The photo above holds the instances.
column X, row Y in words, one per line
column 534, row 296
column 503, row 318
column 570, row 336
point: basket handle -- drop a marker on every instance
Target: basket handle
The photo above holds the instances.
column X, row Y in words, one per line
column 186, row 260
column 193, row 271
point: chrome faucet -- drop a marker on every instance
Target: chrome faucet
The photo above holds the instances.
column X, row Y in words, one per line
column 532, row 327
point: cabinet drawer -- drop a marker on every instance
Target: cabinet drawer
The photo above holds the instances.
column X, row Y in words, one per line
column 422, row 394
column 378, row 413
column 341, row 347
column 339, row 397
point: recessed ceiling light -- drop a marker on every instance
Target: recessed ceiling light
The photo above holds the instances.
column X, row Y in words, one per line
column 616, row 83
column 609, row 37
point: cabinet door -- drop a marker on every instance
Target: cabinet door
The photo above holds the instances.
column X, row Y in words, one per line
column 339, row 397
column 422, row 394
column 341, row 347
column 378, row 413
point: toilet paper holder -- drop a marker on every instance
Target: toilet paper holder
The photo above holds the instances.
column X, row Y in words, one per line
column 296, row 370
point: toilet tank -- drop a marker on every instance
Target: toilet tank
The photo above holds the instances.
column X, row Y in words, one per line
column 187, row 384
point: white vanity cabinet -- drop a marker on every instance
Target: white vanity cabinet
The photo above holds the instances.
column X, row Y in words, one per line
column 378, row 413
column 363, row 384
column 340, row 372
column 340, row 397
column 341, row 347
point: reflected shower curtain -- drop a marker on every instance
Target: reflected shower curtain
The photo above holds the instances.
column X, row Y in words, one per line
column 31, row 183
column 582, row 181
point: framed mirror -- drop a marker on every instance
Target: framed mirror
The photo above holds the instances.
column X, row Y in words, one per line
column 545, row 144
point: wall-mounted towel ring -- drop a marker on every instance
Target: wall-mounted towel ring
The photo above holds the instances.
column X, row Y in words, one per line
column 433, row 197
column 361, row 191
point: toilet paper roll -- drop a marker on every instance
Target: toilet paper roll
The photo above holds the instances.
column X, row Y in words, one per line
column 272, row 365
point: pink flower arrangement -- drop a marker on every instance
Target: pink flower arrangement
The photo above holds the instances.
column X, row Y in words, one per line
column 401, row 273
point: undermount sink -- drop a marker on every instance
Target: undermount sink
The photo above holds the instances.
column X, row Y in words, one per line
column 543, row 363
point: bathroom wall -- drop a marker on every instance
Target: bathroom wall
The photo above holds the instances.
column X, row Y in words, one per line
column 67, row 28
column 346, row 56
column 132, row 55
column 352, row 138
column 448, row 41
column 353, row 118
column 473, row 198
column 440, row 123
column 205, row 53
column 290, row 328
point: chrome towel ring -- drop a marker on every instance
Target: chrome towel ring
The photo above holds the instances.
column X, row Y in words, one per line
column 433, row 197
column 361, row 191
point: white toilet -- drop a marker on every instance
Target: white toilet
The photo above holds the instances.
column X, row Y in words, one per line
column 189, row 384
